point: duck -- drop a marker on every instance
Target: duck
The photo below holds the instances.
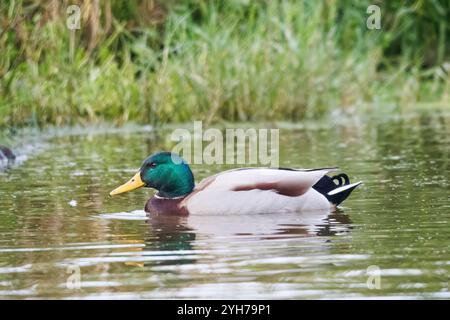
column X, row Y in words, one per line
column 7, row 157
column 6, row 154
column 252, row 190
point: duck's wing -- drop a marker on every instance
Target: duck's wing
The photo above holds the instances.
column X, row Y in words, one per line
column 289, row 182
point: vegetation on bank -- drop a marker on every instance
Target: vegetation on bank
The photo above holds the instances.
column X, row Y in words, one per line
column 239, row 60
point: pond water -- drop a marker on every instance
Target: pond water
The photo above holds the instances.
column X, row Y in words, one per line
column 57, row 221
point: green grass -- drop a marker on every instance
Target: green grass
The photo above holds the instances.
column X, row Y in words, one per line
column 216, row 60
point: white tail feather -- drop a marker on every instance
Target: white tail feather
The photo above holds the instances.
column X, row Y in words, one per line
column 343, row 188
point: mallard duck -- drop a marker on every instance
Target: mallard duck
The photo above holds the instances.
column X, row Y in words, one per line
column 7, row 157
column 6, row 154
column 245, row 190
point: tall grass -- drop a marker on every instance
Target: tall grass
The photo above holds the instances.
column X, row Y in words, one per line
column 157, row 62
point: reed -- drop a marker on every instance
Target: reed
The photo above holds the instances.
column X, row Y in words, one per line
column 174, row 61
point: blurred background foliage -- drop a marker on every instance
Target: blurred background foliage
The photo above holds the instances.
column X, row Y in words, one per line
column 161, row 61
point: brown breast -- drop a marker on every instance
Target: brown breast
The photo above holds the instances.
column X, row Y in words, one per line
column 165, row 206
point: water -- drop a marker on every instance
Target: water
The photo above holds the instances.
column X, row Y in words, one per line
column 57, row 222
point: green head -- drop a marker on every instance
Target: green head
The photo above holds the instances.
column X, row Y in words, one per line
column 164, row 171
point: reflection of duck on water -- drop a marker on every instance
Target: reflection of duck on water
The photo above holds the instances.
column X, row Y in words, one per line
column 272, row 225
column 333, row 224
column 179, row 233
column 175, row 236
column 169, row 233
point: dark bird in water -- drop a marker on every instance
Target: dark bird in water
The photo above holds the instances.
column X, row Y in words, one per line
column 6, row 154
column 245, row 190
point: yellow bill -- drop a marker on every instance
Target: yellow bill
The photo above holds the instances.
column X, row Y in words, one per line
column 134, row 183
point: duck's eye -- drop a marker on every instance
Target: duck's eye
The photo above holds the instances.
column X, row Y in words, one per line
column 151, row 165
